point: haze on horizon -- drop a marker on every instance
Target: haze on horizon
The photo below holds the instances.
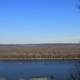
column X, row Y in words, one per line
column 39, row 21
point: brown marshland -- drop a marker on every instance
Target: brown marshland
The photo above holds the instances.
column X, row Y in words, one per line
column 40, row 51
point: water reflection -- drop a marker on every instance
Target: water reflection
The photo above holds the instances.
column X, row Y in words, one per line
column 75, row 73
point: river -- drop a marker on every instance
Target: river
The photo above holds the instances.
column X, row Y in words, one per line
column 25, row 70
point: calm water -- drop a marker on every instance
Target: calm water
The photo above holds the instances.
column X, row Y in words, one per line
column 24, row 70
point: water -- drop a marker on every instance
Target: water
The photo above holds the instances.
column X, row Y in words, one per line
column 24, row 70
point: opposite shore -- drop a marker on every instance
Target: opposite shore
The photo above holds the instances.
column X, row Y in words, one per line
column 40, row 52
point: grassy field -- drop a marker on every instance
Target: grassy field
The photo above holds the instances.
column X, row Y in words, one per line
column 14, row 52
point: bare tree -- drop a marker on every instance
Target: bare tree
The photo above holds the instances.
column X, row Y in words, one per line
column 75, row 74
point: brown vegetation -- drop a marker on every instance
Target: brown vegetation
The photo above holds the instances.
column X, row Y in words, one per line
column 21, row 53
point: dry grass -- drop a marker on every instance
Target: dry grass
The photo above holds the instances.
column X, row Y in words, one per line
column 15, row 53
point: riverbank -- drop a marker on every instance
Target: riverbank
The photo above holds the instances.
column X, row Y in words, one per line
column 37, row 59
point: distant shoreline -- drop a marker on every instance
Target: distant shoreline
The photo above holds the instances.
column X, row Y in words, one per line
column 31, row 58
column 59, row 51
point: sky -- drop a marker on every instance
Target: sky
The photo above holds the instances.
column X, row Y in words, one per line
column 39, row 21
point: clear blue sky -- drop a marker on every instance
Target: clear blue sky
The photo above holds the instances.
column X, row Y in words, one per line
column 39, row 21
